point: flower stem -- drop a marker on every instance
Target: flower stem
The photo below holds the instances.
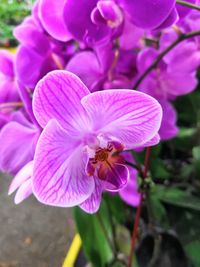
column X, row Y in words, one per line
column 182, row 37
column 10, row 105
column 139, row 208
column 187, row 4
column 135, row 228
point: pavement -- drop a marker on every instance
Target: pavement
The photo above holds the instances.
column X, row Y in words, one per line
column 32, row 234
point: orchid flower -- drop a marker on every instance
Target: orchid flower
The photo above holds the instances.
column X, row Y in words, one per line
column 77, row 154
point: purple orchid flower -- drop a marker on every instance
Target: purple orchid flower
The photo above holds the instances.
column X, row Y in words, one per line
column 102, row 21
column 77, row 155
column 170, row 79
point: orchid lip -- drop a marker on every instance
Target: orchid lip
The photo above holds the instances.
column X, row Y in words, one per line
column 105, row 159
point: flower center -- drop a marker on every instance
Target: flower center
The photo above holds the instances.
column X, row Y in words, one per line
column 101, row 155
column 104, row 159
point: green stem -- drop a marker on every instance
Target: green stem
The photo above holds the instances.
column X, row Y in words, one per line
column 187, row 4
column 181, row 38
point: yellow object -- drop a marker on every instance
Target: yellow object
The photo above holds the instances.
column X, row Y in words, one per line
column 73, row 252
column 12, row 50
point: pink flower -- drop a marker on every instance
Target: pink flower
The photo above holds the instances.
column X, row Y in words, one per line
column 77, row 155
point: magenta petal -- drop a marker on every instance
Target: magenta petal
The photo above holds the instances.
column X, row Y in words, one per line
column 17, row 144
column 168, row 127
column 58, row 96
column 51, row 16
column 28, row 70
column 23, row 175
column 130, row 193
column 24, row 191
column 8, row 90
column 147, row 13
column 6, row 63
column 80, row 25
column 110, row 12
column 26, row 33
column 77, row 66
column 137, row 115
column 145, row 58
column 116, row 178
column 170, row 20
column 177, row 83
column 131, row 35
column 92, row 204
column 154, row 141
column 185, row 58
column 59, row 177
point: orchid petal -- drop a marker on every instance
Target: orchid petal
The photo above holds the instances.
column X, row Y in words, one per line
column 177, row 84
column 23, row 192
column 77, row 66
column 51, row 16
column 168, row 127
column 28, row 70
column 58, row 96
column 17, row 144
column 92, row 204
column 23, row 175
column 115, row 178
column 130, row 193
column 59, row 177
column 148, row 14
column 170, row 20
column 82, row 27
column 130, row 116
column 29, row 30
column 6, row 63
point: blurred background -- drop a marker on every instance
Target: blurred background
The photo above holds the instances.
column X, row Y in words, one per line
column 12, row 13
column 31, row 235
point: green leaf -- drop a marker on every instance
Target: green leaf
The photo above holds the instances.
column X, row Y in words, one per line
column 158, row 169
column 123, row 238
column 177, row 197
column 90, row 228
column 158, row 211
column 186, row 132
column 118, row 264
column 117, row 207
column 196, row 158
column 193, row 250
